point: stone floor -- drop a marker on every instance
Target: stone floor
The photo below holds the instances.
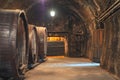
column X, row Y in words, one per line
column 63, row 68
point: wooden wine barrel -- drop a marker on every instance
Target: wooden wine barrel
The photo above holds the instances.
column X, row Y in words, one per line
column 13, row 43
column 42, row 35
column 33, row 45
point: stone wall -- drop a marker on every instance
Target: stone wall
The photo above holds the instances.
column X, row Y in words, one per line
column 110, row 59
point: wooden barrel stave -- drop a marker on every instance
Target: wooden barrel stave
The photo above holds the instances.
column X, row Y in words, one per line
column 33, row 46
column 13, row 43
column 42, row 35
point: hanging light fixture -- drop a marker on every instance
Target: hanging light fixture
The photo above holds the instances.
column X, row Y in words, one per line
column 52, row 13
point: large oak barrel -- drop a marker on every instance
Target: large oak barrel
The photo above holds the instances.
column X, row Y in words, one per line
column 33, row 45
column 42, row 35
column 13, row 43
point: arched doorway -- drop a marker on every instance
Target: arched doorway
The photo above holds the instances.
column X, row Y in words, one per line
column 57, row 46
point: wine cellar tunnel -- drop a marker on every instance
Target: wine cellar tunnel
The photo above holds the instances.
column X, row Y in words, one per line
column 59, row 33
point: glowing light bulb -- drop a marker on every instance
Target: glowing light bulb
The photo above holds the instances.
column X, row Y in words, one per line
column 52, row 13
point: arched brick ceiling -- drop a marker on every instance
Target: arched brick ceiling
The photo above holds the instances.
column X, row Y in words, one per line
column 82, row 10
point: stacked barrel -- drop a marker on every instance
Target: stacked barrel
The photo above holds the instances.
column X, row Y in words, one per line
column 13, row 43
column 33, row 46
column 42, row 35
column 37, row 44
column 21, row 45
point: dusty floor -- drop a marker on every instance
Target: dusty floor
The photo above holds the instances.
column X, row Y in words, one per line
column 63, row 68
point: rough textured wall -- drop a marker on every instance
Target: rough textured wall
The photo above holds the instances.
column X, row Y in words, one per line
column 110, row 59
column 95, row 44
column 77, row 41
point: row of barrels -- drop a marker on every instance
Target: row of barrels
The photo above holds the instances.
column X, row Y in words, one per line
column 21, row 45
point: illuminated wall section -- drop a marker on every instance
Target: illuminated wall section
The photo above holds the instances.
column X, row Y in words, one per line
column 58, row 40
